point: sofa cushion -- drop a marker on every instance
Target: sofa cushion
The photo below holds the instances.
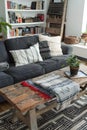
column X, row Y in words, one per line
column 19, row 57
column 33, row 54
column 54, row 44
column 54, row 63
column 61, row 60
column 5, row 80
column 25, row 56
column 24, row 72
column 3, row 53
column 3, row 66
column 44, row 50
column 20, row 43
column 49, row 65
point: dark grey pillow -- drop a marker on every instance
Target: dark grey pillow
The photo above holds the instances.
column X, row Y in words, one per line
column 4, row 66
column 44, row 50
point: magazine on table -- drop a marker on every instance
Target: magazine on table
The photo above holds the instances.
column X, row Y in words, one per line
column 80, row 74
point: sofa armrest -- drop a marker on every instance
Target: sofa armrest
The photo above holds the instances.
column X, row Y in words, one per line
column 66, row 48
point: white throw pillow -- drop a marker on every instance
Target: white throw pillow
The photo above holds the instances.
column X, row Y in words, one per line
column 54, row 44
column 26, row 56
column 19, row 57
column 33, row 54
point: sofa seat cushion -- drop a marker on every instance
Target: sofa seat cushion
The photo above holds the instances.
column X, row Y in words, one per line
column 49, row 65
column 54, row 63
column 5, row 80
column 61, row 60
column 19, row 43
column 24, row 72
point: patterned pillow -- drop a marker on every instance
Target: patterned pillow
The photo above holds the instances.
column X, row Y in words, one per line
column 44, row 50
column 33, row 54
column 26, row 56
column 54, row 44
column 19, row 57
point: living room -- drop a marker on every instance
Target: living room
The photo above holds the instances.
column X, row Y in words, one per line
column 34, row 55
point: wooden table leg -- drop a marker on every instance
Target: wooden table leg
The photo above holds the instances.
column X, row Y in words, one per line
column 14, row 119
column 29, row 118
column 32, row 119
column 83, row 87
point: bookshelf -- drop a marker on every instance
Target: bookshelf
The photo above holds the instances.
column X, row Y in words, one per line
column 25, row 16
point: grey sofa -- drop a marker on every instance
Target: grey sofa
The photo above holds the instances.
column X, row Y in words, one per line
column 12, row 74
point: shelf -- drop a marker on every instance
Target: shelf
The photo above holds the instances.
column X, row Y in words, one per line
column 24, row 10
column 25, row 24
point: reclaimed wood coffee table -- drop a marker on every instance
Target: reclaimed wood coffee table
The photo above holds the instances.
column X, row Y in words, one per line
column 25, row 101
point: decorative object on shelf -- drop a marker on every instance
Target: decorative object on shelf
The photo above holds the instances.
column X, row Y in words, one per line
column 71, row 40
column 74, row 63
column 3, row 25
column 84, row 38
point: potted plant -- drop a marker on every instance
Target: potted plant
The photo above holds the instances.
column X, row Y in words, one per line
column 3, row 25
column 74, row 63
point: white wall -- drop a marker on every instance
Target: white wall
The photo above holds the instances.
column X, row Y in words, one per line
column 75, row 19
column 84, row 26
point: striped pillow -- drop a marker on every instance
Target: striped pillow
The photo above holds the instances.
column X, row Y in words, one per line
column 33, row 54
column 54, row 44
column 26, row 56
column 19, row 57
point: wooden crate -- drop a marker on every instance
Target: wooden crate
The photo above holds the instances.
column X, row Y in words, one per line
column 54, row 31
column 54, row 20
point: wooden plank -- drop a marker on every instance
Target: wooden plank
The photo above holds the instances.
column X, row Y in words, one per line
column 63, row 17
column 33, row 120
column 21, row 97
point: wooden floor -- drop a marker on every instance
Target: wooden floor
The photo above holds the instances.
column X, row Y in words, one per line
column 5, row 105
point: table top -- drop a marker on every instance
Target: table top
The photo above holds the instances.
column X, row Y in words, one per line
column 25, row 99
column 21, row 97
column 79, row 80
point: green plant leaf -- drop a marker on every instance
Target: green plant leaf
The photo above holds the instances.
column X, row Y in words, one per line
column 73, row 61
column 3, row 26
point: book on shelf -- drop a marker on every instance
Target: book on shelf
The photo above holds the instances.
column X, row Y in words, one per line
column 12, row 17
column 33, row 5
column 8, row 4
column 21, row 31
column 12, row 32
column 37, row 5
